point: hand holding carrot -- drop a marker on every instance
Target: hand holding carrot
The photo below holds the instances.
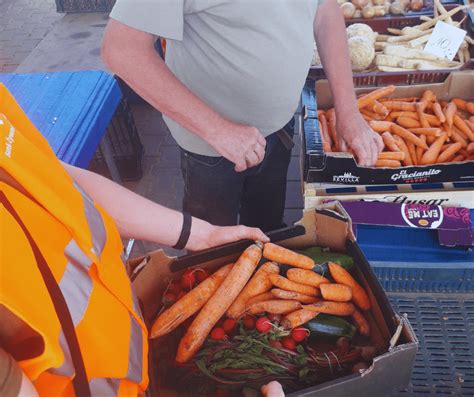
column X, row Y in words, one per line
column 353, row 132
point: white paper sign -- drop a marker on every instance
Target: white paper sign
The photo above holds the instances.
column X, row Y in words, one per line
column 445, row 40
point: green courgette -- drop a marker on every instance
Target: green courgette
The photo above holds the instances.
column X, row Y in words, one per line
column 330, row 326
column 319, row 255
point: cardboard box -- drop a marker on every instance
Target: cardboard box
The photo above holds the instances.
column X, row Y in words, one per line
column 342, row 168
column 325, row 226
column 446, row 194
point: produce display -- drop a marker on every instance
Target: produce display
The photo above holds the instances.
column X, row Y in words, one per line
column 274, row 314
column 415, row 131
column 402, row 49
column 379, row 8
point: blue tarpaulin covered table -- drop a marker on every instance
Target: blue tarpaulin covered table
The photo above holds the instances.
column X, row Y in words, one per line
column 71, row 109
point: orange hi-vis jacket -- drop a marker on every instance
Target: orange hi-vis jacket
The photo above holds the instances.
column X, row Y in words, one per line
column 82, row 248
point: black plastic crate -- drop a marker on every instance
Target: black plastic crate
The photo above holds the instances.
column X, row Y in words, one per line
column 125, row 145
column 444, row 325
column 84, row 5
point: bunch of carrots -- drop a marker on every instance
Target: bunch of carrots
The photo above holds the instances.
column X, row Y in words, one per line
column 415, row 131
column 242, row 288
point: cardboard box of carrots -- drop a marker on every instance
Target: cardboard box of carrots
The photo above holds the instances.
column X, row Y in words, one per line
column 427, row 131
column 305, row 310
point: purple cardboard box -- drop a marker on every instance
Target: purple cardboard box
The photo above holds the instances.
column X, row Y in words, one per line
column 453, row 224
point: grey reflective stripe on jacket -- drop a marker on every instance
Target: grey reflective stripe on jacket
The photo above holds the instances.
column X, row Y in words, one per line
column 76, row 286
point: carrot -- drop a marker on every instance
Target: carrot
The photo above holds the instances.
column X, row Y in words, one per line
column 285, row 256
column 189, row 304
column 331, row 116
column 458, row 158
column 377, row 108
column 430, row 139
column 457, row 137
column 407, row 135
column 336, row 308
column 266, row 296
column 460, row 103
column 371, row 115
column 470, row 148
column 336, row 292
column 342, row 276
column 375, row 95
column 408, row 122
column 404, row 148
column 275, row 307
column 449, row 152
column 443, row 103
column 288, row 285
column 412, row 150
column 217, row 305
column 323, row 123
column 433, row 120
column 380, row 126
column 407, row 99
column 432, row 153
column 449, row 113
column 390, row 142
column 388, row 163
column 459, row 123
column 420, row 108
column 428, row 96
column 292, row 295
column 471, row 119
column 404, row 106
column 460, row 133
column 427, row 131
column 470, row 107
column 419, row 151
column 438, row 112
column 361, row 322
column 306, row 277
column 297, row 318
column 258, row 284
column 391, row 156
column 398, row 113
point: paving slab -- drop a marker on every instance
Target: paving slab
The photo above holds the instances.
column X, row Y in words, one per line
column 72, row 44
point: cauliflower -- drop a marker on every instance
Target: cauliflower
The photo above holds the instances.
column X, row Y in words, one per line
column 362, row 53
column 362, row 30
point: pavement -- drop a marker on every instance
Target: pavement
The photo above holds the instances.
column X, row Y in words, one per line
column 34, row 37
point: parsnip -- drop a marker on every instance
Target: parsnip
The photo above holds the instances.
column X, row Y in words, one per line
column 392, row 69
column 388, row 60
column 432, row 22
column 419, row 41
column 410, row 53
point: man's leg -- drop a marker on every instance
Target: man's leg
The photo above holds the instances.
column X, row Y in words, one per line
column 212, row 189
column 264, row 192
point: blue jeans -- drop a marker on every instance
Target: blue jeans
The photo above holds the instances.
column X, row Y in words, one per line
column 213, row 191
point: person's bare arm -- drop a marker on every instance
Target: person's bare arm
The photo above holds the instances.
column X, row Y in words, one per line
column 143, row 219
column 331, row 40
column 130, row 54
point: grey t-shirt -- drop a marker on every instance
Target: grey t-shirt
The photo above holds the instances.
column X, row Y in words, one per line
column 247, row 59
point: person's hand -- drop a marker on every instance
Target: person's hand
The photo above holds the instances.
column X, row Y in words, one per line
column 204, row 235
column 273, row 389
column 353, row 132
column 241, row 144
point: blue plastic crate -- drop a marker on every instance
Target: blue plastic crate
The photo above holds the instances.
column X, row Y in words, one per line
column 409, row 259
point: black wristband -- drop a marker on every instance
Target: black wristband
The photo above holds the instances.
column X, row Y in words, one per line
column 185, row 232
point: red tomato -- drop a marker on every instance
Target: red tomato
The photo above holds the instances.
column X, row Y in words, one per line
column 217, row 334
column 249, row 322
column 288, row 343
column 188, row 279
column 229, row 325
column 263, row 325
column 201, row 275
column 299, row 334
